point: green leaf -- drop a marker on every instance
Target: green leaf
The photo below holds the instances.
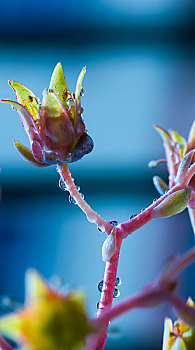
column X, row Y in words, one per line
column 36, row 286
column 173, row 204
column 191, row 138
column 10, row 326
column 26, row 98
column 79, row 86
column 180, row 142
column 179, row 345
column 168, row 325
column 54, row 106
column 59, row 85
column 26, row 154
column 160, row 185
column 164, row 135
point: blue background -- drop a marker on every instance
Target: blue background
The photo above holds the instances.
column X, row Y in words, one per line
column 140, row 62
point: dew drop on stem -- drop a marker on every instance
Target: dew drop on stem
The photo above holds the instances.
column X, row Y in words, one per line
column 98, row 305
column 113, row 223
column 72, row 200
column 62, row 185
column 116, row 293
column 118, row 281
column 100, row 286
column 82, row 93
column 133, row 216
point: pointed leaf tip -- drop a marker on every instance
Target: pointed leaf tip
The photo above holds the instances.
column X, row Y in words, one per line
column 58, row 84
column 173, row 204
column 180, row 141
column 26, row 98
column 160, row 185
column 164, row 134
column 27, row 155
column 36, row 286
column 79, row 86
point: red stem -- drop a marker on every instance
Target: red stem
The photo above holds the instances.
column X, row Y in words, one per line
column 97, row 342
column 145, row 216
column 4, row 345
column 92, row 216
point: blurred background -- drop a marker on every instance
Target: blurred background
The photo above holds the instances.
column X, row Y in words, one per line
column 140, row 62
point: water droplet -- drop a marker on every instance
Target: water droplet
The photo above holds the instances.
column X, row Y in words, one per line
column 155, row 199
column 100, row 286
column 180, row 146
column 78, row 188
column 72, row 200
column 44, row 91
column 62, row 185
column 118, row 281
column 133, row 216
column 70, row 103
column 82, row 195
column 116, row 293
column 82, row 92
column 143, row 210
column 13, row 108
column 98, row 305
column 113, row 223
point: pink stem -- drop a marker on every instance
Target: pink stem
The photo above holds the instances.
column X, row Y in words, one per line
column 189, row 175
column 151, row 296
column 92, row 216
column 147, row 297
column 4, row 345
column 97, row 342
column 176, row 268
column 145, row 216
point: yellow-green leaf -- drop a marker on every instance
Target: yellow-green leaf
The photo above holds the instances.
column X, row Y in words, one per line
column 54, row 105
column 191, row 138
column 36, row 286
column 179, row 345
column 79, row 86
column 181, row 142
column 167, row 341
column 59, row 85
column 26, row 98
column 173, row 204
column 26, row 154
column 164, row 135
column 10, row 326
column 160, row 185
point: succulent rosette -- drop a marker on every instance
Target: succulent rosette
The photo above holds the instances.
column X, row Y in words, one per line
column 55, row 127
column 179, row 155
column 48, row 320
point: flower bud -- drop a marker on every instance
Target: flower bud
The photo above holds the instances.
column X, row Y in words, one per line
column 109, row 246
